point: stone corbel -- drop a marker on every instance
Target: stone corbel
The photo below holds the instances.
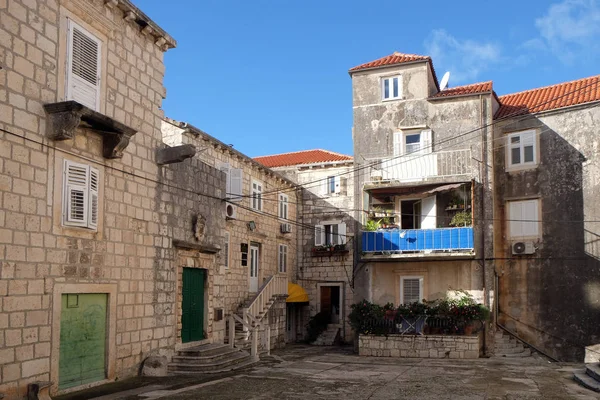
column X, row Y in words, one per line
column 129, row 16
column 65, row 117
column 111, row 3
column 147, row 30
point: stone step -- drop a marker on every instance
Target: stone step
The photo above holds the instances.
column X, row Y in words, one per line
column 226, row 363
column 506, row 345
column 593, row 370
column 586, row 381
column 210, row 359
column 511, row 350
column 217, row 371
column 523, row 353
column 203, row 350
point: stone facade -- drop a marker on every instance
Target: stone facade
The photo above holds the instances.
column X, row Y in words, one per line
column 330, row 272
column 234, row 282
column 424, row 346
column 126, row 255
column 557, row 314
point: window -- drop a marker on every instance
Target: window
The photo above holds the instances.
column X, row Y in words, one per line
column 330, row 233
column 283, row 206
column 256, row 200
column 226, row 250
column 80, row 205
column 83, row 67
column 521, row 149
column 413, row 142
column 332, row 185
column 523, row 218
column 282, row 258
column 411, row 289
column 234, row 179
column 391, row 87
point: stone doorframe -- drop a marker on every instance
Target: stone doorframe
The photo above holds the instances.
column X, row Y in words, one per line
column 342, row 305
column 109, row 289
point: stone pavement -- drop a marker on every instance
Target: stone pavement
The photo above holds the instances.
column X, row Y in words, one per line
column 307, row 372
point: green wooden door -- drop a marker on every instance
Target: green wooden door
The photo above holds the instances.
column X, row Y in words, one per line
column 192, row 307
column 82, row 339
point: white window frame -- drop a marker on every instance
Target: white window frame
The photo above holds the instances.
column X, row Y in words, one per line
column 324, row 239
column 411, row 277
column 234, row 180
column 69, row 76
column 256, row 200
column 334, row 181
column 526, row 138
column 90, row 196
column 283, row 206
column 282, row 258
column 227, row 247
column 425, row 142
column 390, row 80
column 520, row 226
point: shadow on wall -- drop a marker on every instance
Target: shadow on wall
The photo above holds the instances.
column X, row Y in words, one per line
column 552, row 298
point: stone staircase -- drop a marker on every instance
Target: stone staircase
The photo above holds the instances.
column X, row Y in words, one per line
column 329, row 336
column 506, row 345
column 209, row 359
column 242, row 336
column 589, row 377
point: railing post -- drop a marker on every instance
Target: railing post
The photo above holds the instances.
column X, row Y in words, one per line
column 231, row 332
column 268, row 333
column 245, row 317
column 254, row 346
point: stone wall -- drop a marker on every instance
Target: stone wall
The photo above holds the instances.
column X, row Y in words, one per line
column 419, row 346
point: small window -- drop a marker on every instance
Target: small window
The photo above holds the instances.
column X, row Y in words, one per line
column 80, row 187
column 521, row 149
column 330, row 234
column 411, row 289
column 523, row 219
column 282, row 258
column 391, row 87
column 226, row 250
column 283, row 206
column 256, row 199
column 332, row 185
column 83, row 67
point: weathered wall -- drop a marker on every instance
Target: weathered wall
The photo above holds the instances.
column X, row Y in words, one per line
column 416, row 346
column 551, row 298
column 318, row 206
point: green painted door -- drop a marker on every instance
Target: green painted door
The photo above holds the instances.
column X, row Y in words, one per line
column 82, row 339
column 192, row 307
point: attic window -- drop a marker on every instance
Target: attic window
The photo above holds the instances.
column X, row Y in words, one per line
column 391, row 87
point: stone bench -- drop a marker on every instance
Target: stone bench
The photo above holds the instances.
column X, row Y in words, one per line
column 39, row 391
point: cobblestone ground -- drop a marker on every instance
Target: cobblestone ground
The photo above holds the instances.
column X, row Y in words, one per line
column 304, row 372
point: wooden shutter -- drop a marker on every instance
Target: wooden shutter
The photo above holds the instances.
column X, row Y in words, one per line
column 93, row 198
column 341, row 233
column 83, row 67
column 236, row 177
column 428, row 213
column 426, row 141
column 282, row 258
column 225, row 168
column 76, row 180
column 411, row 290
column 398, row 140
column 319, row 235
column 337, row 184
column 515, row 218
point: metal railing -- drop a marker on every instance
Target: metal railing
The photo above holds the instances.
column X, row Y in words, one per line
column 415, row 167
column 417, row 240
column 421, row 325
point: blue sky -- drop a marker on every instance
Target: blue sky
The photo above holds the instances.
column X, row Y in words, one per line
column 270, row 76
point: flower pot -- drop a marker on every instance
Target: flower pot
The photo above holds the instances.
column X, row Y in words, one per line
column 469, row 329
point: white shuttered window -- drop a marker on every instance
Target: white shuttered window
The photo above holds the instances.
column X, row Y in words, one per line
column 282, row 258
column 83, row 67
column 330, row 234
column 81, row 185
column 411, row 289
column 523, row 218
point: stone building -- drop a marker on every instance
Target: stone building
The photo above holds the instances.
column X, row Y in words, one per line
column 547, row 202
column 88, row 220
column 423, row 182
column 260, row 231
column 326, row 218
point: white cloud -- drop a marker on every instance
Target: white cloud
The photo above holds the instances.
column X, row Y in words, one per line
column 466, row 59
column 570, row 29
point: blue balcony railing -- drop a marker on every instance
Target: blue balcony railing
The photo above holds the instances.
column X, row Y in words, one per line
column 416, row 240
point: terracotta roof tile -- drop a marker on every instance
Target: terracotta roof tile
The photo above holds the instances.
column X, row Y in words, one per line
column 301, row 157
column 481, row 87
column 395, row 58
column 550, row 97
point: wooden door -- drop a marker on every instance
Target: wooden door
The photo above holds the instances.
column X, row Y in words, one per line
column 254, row 268
column 192, row 307
column 82, row 354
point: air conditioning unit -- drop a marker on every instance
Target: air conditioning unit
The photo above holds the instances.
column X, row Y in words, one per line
column 376, row 175
column 230, row 211
column 286, row 228
column 523, row 248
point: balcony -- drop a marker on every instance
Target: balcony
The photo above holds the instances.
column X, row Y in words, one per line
column 417, row 167
column 410, row 242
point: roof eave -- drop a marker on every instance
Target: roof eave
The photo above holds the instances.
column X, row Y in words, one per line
column 350, row 72
column 550, row 111
column 459, row 95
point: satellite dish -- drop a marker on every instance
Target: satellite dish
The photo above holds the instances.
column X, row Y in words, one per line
column 444, row 82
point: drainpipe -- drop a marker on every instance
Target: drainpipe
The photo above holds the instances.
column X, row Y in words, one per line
column 484, row 183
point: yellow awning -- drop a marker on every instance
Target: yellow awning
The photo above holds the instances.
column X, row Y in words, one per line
column 296, row 294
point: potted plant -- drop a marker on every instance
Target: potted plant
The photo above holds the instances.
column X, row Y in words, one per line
column 372, row 225
column 461, row 218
